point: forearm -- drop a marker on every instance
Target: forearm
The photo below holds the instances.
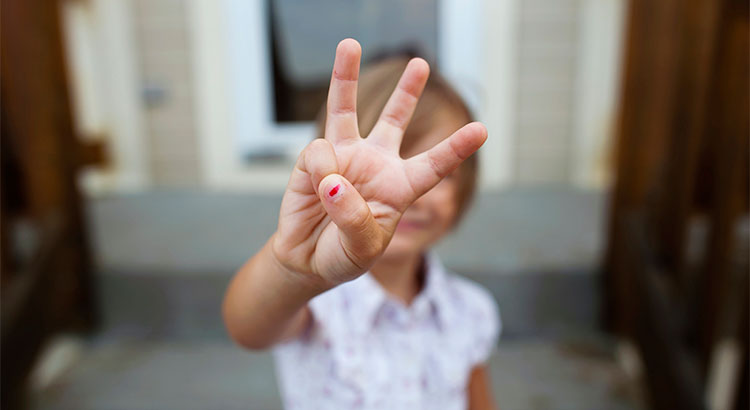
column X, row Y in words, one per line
column 480, row 389
column 266, row 303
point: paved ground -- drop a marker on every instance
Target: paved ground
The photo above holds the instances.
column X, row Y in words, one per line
column 527, row 375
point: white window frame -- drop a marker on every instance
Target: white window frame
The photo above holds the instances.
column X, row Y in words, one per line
column 234, row 87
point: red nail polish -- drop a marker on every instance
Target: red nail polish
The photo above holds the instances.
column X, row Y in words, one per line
column 334, row 190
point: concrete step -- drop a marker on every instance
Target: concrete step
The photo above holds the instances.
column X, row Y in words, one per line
column 177, row 306
column 138, row 375
column 552, row 229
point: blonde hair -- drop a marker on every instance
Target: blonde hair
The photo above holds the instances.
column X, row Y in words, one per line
column 377, row 82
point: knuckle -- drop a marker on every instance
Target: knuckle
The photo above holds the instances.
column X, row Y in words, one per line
column 360, row 219
column 367, row 241
column 373, row 249
column 317, row 145
column 366, row 250
column 394, row 119
column 342, row 110
column 435, row 165
column 457, row 150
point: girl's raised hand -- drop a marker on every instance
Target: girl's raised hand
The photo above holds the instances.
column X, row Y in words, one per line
column 347, row 193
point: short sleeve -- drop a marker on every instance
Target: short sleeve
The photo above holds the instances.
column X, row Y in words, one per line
column 486, row 324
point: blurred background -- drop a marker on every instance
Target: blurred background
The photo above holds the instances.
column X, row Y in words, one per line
column 146, row 145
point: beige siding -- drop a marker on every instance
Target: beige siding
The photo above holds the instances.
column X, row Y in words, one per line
column 548, row 44
column 164, row 49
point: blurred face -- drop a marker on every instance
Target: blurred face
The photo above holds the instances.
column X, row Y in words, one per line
column 432, row 215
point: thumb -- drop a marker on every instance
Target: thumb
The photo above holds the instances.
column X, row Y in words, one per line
column 361, row 236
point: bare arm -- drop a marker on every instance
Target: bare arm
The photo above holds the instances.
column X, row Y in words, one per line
column 480, row 389
column 266, row 296
column 343, row 201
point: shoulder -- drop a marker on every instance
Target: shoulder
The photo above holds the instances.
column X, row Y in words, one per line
column 473, row 301
column 466, row 303
column 476, row 311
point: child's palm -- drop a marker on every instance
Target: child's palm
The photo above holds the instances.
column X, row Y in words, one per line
column 334, row 227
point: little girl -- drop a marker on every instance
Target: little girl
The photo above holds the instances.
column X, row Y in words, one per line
column 359, row 312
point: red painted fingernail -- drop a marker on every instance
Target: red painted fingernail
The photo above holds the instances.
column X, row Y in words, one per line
column 334, row 190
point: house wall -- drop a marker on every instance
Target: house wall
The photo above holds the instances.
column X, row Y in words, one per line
column 164, row 53
column 547, row 49
column 550, row 75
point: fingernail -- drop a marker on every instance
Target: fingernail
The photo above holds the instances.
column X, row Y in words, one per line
column 336, row 191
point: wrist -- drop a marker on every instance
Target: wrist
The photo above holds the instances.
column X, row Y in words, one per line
column 307, row 282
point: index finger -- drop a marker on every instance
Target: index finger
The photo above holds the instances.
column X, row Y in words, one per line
column 341, row 108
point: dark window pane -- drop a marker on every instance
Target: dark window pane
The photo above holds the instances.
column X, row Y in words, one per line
column 304, row 35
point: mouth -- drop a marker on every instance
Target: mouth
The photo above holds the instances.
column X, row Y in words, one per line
column 410, row 225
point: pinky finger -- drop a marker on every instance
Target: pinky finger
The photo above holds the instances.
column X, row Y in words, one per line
column 428, row 168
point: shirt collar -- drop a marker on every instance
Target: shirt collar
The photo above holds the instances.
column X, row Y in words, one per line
column 365, row 301
column 368, row 297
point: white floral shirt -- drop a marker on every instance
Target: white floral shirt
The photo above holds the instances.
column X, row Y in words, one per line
column 365, row 350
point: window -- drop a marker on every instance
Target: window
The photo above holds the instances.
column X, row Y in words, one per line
column 280, row 52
